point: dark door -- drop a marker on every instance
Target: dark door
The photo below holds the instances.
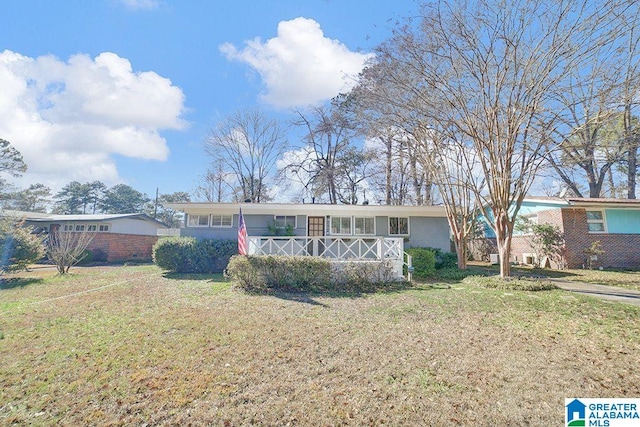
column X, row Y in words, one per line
column 315, row 228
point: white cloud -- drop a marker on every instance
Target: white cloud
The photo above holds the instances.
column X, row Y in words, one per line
column 300, row 66
column 140, row 4
column 69, row 118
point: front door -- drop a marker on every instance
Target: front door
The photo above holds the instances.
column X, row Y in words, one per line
column 315, row 228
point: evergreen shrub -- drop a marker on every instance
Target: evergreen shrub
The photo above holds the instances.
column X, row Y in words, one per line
column 19, row 246
column 267, row 273
column 423, row 261
column 191, row 255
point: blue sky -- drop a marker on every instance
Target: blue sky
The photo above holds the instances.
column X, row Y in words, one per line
column 124, row 91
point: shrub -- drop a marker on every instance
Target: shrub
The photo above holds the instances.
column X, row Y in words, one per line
column 453, row 274
column 362, row 276
column 86, row 257
column 66, row 249
column 446, row 260
column 268, row 273
column 19, row 246
column 509, row 284
column 190, row 255
column 286, row 273
column 423, row 261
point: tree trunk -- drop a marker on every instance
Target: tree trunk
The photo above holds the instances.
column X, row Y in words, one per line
column 459, row 240
column 388, row 170
column 631, row 172
column 461, row 251
column 503, row 241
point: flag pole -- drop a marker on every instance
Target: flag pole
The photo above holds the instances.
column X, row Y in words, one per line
column 242, row 235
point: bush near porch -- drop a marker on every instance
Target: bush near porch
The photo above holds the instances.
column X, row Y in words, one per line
column 423, row 262
column 191, row 255
column 266, row 273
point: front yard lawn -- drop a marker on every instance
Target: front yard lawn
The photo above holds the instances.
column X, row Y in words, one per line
column 621, row 278
column 128, row 345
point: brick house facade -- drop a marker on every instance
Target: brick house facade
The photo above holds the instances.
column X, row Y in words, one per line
column 615, row 224
column 114, row 247
column 117, row 237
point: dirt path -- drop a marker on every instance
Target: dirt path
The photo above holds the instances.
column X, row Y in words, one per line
column 610, row 293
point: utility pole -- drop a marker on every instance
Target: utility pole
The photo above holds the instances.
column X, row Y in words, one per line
column 155, row 206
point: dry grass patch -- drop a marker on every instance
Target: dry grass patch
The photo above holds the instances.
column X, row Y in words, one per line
column 629, row 279
column 623, row 279
column 190, row 349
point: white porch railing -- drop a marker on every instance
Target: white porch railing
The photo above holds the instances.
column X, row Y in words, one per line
column 336, row 248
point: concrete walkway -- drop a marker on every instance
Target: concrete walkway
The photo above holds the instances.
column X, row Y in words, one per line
column 609, row 293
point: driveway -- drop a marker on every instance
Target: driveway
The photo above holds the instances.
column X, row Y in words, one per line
column 609, row 293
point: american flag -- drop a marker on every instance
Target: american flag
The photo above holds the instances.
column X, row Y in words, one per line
column 242, row 235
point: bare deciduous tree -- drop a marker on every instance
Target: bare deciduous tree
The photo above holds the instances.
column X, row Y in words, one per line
column 455, row 178
column 216, row 185
column 630, row 73
column 402, row 176
column 248, row 144
column 66, row 248
column 328, row 159
column 588, row 144
column 491, row 71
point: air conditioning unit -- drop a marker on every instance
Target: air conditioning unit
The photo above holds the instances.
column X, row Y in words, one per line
column 494, row 259
column 528, row 258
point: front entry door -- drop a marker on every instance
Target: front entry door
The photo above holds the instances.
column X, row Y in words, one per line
column 315, row 228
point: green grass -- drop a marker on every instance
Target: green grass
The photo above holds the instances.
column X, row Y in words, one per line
column 131, row 346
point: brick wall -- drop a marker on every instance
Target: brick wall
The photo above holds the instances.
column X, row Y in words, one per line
column 123, row 247
column 520, row 244
column 620, row 250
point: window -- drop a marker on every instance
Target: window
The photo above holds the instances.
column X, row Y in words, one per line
column 198, row 220
column 92, row 227
column 221, row 220
column 103, row 227
column 398, row 226
column 525, row 224
column 68, row 227
column 284, row 221
column 340, row 225
column 79, row 227
column 365, row 225
column 595, row 222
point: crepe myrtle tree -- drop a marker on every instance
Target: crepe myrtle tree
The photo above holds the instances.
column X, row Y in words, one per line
column 492, row 70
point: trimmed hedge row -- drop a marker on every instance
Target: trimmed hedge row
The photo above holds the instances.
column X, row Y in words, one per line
column 191, row 255
column 267, row 273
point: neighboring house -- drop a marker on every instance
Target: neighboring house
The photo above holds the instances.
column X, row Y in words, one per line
column 122, row 237
column 353, row 232
column 615, row 223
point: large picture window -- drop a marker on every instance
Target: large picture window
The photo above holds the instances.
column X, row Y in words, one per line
column 284, row 221
column 364, row 225
column 221, row 220
column 398, row 226
column 595, row 222
column 340, row 225
column 198, row 220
